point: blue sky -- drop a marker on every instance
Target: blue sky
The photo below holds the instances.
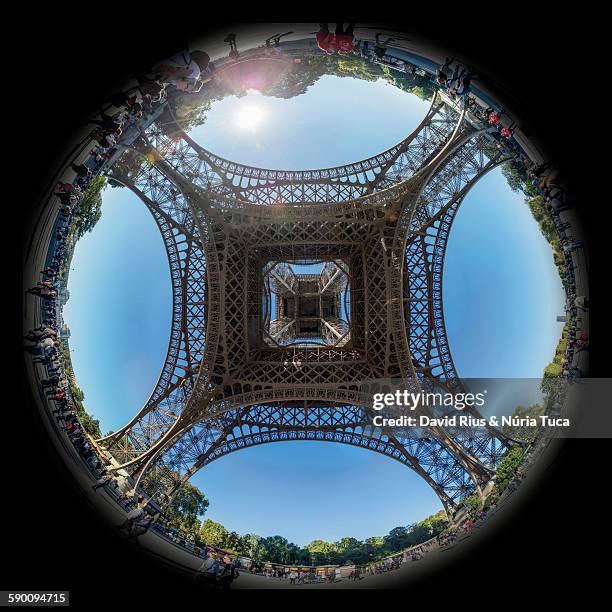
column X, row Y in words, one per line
column 501, row 297
column 337, row 121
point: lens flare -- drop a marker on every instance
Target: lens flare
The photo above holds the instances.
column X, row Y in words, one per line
column 249, row 118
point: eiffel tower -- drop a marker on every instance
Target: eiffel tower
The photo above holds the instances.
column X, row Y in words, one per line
column 294, row 291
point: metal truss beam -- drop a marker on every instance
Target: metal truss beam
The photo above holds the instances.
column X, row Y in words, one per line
column 187, row 263
column 263, row 186
column 255, row 425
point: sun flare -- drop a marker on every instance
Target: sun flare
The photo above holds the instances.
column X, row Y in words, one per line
column 249, row 118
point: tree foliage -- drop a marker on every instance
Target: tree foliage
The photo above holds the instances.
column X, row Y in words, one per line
column 518, row 179
column 507, row 468
column 188, row 503
column 214, row 534
column 524, row 433
column 294, row 79
column 89, row 209
column 346, row 551
column 90, row 425
column 473, row 503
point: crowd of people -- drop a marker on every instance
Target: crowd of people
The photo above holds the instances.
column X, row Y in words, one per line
column 452, row 77
column 397, row 560
column 44, row 342
column 555, row 203
column 217, row 571
column 455, row 79
column 186, row 72
column 292, row 575
column 220, row 560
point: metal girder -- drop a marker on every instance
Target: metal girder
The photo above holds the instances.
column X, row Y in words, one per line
column 321, row 293
column 261, row 424
column 180, row 234
column 424, row 257
column 263, row 186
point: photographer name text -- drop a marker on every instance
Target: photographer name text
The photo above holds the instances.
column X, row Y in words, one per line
column 466, row 420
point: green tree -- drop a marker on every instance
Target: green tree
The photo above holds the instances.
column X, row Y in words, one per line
column 250, row 546
column 397, row 538
column 375, row 541
column 515, row 173
column 372, row 547
column 473, row 503
column 191, row 110
column 507, row 468
column 233, row 542
column 90, row 425
column 323, row 553
column 430, row 527
column 89, row 209
column 524, row 433
column 77, row 393
column 279, row 550
column 347, row 550
column 350, row 551
column 214, row 534
column 188, row 503
column 553, row 370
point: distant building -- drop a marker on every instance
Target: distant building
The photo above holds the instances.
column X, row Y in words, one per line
column 63, row 295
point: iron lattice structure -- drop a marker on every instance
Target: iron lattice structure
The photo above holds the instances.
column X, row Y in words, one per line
column 384, row 223
column 304, row 309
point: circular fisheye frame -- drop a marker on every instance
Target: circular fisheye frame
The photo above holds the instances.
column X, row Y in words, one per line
column 321, row 293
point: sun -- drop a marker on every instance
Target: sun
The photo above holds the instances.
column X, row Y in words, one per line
column 249, row 118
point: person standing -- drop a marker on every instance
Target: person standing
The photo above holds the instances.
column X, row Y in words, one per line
column 228, row 573
column 325, row 39
column 343, row 39
column 207, row 572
